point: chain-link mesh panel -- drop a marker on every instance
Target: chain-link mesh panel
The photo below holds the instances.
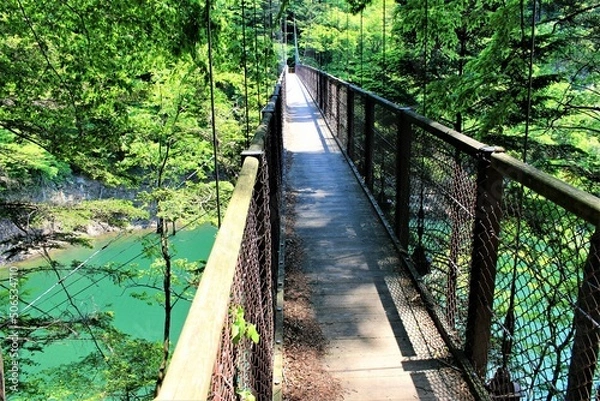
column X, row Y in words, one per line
column 342, row 104
column 335, row 110
column 243, row 365
column 385, row 163
column 309, row 79
column 357, row 144
column 240, row 338
column 442, row 188
column 542, row 253
column 332, row 107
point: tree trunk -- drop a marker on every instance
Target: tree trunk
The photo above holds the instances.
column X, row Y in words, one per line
column 164, row 247
column 2, row 391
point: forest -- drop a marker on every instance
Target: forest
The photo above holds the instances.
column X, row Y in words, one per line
column 135, row 112
column 518, row 74
column 115, row 115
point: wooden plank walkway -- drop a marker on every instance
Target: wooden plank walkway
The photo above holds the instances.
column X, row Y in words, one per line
column 382, row 344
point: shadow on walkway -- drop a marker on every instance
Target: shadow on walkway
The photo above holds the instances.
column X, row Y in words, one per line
column 382, row 342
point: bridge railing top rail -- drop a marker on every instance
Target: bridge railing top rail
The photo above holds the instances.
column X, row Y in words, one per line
column 237, row 283
column 571, row 198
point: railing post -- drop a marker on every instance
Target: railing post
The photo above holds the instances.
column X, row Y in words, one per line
column 275, row 163
column 584, row 356
column 322, row 92
column 338, row 108
column 326, row 103
column 350, row 122
column 329, row 85
column 403, row 152
column 319, row 85
column 369, row 141
column 314, row 85
column 483, row 263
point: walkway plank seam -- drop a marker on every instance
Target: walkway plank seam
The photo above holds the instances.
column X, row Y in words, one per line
column 383, row 344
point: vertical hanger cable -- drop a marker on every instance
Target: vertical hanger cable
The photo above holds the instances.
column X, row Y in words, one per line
column 245, row 62
column 212, row 111
column 509, row 320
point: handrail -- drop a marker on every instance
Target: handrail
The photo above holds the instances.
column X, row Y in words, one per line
column 237, row 283
column 579, row 202
column 566, row 195
column 191, row 367
column 449, row 135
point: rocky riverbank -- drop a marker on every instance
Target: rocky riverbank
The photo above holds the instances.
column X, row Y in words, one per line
column 74, row 190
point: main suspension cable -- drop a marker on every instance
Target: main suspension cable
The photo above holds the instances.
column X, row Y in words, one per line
column 383, row 25
column 361, row 47
column 425, row 58
column 529, row 83
column 296, row 51
column 256, row 56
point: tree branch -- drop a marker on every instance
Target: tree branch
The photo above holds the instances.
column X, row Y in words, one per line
column 571, row 16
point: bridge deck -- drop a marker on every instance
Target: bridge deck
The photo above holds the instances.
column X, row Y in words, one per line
column 382, row 344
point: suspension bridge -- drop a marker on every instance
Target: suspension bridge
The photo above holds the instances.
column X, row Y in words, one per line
column 441, row 268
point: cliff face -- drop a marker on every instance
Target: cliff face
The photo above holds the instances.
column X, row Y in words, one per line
column 72, row 191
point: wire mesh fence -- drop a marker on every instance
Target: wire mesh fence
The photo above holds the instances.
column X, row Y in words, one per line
column 541, row 255
column 244, row 362
column 442, row 210
column 225, row 351
column 509, row 257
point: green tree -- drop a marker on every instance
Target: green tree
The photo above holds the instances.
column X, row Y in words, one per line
column 119, row 92
column 520, row 74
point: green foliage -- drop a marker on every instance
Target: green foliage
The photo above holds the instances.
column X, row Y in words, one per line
column 118, row 92
column 240, row 328
column 147, row 283
column 127, row 371
column 466, row 63
column 245, row 395
column 114, row 212
column 107, row 86
column 45, row 226
column 25, row 164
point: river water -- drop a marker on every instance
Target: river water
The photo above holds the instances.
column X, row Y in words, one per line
column 132, row 315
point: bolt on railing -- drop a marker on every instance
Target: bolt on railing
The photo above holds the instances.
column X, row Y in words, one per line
column 508, row 256
column 225, row 349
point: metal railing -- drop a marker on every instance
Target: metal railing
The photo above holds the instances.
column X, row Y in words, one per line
column 507, row 257
column 218, row 355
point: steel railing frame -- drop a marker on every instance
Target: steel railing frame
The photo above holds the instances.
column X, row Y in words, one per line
column 491, row 177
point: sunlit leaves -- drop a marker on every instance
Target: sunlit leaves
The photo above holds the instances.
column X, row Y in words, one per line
column 240, row 328
column 127, row 373
column 23, row 164
column 467, row 64
column 118, row 91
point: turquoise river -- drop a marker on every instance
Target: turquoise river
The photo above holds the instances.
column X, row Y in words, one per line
column 133, row 316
